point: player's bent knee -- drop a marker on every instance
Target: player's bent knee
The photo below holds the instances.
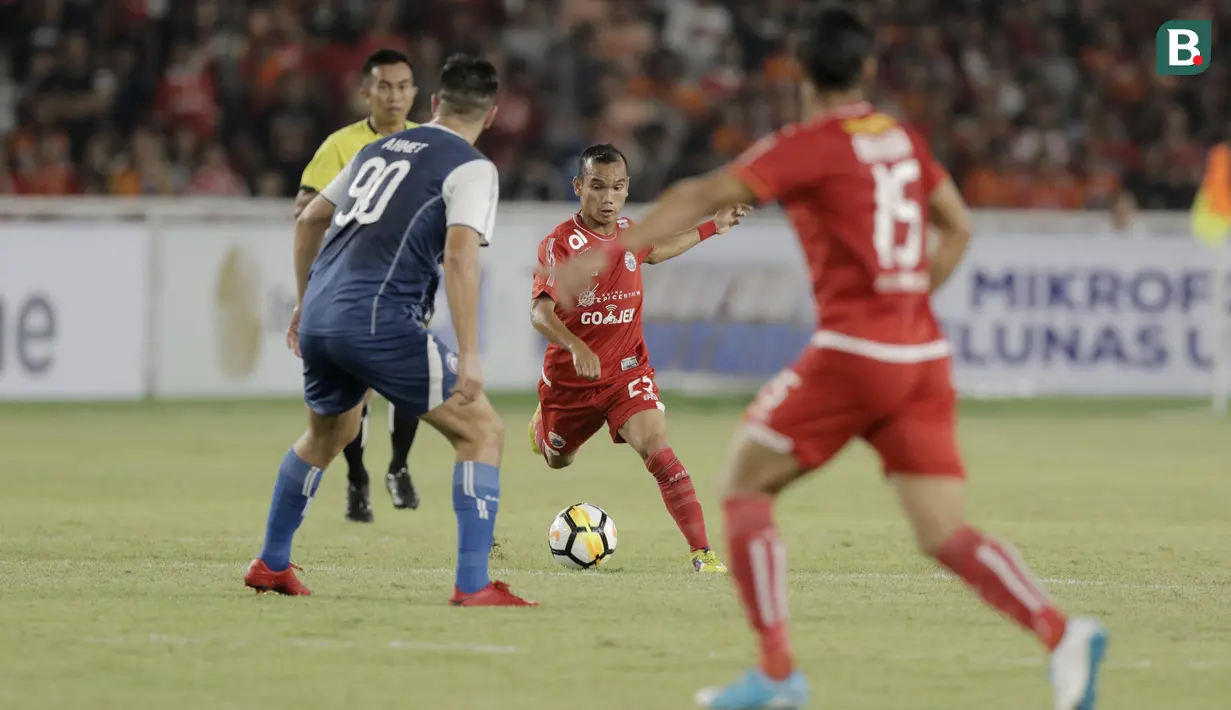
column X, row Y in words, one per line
column 757, row 469
column 475, row 430
column 491, row 428
column 327, row 435
column 934, row 506
column 652, row 444
column 646, row 432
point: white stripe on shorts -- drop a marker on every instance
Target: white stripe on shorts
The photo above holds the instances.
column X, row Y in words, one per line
column 435, row 375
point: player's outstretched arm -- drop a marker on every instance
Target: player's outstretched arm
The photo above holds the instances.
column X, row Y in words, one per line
column 471, row 193
column 723, row 221
column 461, row 276
column 949, row 215
column 547, row 322
column 310, row 227
column 684, row 204
column 681, row 206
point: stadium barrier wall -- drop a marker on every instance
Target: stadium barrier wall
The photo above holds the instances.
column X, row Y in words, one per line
column 121, row 299
column 73, row 299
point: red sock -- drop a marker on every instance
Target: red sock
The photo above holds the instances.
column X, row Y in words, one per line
column 679, row 495
column 998, row 574
column 757, row 559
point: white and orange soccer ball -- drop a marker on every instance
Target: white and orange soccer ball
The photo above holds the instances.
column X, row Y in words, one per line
column 582, row 536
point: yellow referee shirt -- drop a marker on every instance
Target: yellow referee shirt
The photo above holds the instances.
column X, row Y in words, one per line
column 337, row 151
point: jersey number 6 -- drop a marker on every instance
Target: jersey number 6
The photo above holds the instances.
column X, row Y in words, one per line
column 375, row 182
column 894, row 207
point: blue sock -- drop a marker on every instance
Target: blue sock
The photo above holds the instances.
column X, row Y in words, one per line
column 297, row 483
column 476, row 498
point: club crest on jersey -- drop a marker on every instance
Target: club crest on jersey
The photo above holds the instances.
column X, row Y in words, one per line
column 630, row 261
column 451, row 362
column 554, row 440
column 588, row 297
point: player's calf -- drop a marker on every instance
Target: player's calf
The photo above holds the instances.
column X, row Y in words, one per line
column 299, row 476
column 646, row 432
column 756, row 553
column 995, row 571
column 935, row 505
column 403, row 425
column 477, row 435
column 358, row 491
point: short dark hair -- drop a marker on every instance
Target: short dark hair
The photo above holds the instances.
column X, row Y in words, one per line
column 600, row 154
column 385, row 58
column 833, row 44
column 468, row 85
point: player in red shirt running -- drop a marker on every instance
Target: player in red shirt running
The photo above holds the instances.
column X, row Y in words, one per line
column 596, row 369
column 860, row 191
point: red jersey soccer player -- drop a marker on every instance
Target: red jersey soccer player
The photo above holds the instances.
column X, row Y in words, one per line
column 596, row 370
column 859, row 190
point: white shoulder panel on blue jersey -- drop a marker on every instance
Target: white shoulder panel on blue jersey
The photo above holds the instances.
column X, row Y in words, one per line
column 335, row 191
column 471, row 193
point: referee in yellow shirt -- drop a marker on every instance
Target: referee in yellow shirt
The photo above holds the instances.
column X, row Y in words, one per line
column 389, row 90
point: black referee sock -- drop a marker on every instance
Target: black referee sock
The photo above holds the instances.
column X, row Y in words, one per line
column 402, row 430
column 356, row 474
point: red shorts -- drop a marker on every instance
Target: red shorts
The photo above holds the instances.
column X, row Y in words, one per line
column 571, row 415
column 906, row 411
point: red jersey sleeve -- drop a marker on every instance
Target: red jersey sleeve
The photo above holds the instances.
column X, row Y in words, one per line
column 780, row 163
column 545, row 274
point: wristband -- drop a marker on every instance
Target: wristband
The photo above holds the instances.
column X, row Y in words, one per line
column 707, row 229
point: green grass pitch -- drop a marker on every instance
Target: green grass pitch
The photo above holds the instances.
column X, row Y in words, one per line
column 124, row 530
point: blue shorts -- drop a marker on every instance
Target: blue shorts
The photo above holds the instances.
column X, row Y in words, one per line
column 410, row 368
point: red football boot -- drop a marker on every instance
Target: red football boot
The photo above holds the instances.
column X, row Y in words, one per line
column 261, row 578
column 494, row 594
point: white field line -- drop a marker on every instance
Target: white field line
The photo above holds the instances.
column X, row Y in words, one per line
column 327, row 644
column 887, row 577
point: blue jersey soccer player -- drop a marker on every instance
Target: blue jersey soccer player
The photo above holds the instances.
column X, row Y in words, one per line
column 389, row 91
column 405, row 205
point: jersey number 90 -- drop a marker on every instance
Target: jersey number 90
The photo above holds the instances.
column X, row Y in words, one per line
column 371, row 190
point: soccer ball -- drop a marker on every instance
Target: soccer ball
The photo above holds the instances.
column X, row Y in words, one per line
column 582, row 536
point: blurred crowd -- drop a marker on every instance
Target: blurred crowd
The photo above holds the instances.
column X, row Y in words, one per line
column 1032, row 103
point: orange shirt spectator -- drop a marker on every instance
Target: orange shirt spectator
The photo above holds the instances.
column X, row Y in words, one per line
column 48, row 178
column 1101, row 185
column 730, row 140
column 1052, row 187
column 685, row 98
column 782, row 69
column 983, row 186
column 124, row 180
